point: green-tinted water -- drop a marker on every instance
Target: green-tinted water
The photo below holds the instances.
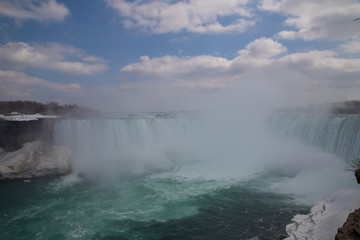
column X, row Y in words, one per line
column 154, row 206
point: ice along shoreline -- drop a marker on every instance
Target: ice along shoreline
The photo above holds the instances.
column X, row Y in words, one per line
column 325, row 217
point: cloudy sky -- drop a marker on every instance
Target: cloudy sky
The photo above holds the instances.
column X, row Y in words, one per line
column 164, row 55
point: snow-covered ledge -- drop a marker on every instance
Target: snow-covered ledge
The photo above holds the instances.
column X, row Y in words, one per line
column 34, row 160
column 325, row 217
column 14, row 116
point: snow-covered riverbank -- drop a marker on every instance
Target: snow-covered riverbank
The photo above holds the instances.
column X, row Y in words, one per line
column 329, row 214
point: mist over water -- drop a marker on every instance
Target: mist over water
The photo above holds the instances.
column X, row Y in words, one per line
column 231, row 171
column 158, row 164
column 229, row 147
column 230, row 138
column 210, row 175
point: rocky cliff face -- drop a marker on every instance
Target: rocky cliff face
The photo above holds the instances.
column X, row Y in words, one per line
column 35, row 160
column 26, row 150
column 357, row 175
column 351, row 228
column 14, row 134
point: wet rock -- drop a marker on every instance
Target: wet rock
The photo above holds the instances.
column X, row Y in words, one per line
column 357, row 175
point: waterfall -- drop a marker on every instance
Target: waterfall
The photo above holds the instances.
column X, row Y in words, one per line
column 143, row 133
column 129, row 144
column 335, row 134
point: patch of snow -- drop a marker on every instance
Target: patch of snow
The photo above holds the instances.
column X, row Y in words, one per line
column 329, row 214
column 35, row 160
column 25, row 117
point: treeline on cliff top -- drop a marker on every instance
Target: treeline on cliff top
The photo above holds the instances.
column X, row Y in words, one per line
column 52, row 108
column 346, row 107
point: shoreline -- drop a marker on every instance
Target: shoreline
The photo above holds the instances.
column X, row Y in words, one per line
column 325, row 217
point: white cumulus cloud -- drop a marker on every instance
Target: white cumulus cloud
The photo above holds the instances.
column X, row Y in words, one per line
column 206, row 71
column 311, row 19
column 39, row 10
column 262, row 48
column 18, row 55
column 321, row 60
column 311, row 74
column 173, row 65
column 198, row 71
column 200, row 16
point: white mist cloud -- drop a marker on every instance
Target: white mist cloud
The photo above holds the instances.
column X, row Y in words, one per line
column 18, row 55
column 42, row 10
column 155, row 95
column 331, row 20
column 200, row 16
column 16, row 84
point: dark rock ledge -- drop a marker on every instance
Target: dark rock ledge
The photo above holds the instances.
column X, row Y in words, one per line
column 351, row 228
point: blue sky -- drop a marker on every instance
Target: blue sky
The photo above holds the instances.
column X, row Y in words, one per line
column 118, row 55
